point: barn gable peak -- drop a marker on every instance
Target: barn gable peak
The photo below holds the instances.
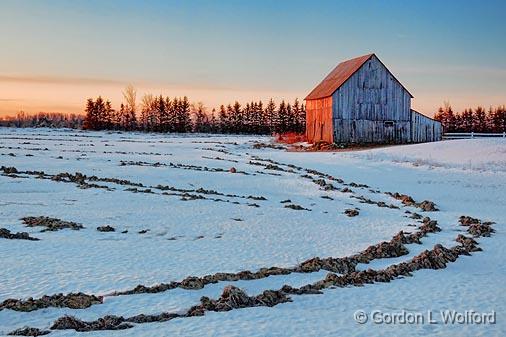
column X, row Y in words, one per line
column 341, row 74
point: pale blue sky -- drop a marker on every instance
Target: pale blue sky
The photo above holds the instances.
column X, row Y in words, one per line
column 217, row 51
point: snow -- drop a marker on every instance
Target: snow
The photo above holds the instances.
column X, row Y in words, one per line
column 465, row 154
column 462, row 177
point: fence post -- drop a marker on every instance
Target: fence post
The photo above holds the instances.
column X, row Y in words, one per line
column 472, row 135
column 504, row 135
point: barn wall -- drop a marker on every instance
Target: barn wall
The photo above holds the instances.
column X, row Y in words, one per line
column 319, row 120
column 425, row 129
column 366, row 131
column 365, row 101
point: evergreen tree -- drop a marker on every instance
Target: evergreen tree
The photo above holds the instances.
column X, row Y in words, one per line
column 270, row 117
column 223, row 120
column 480, row 120
column 237, row 117
column 103, row 119
column 446, row 117
column 281, row 118
column 296, row 115
column 108, row 114
column 162, row 115
column 291, row 121
column 247, row 118
column 490, row 119
column 185, row 115
column 499, row 119
column 467, row 120
column 230, row 120
column 119, row 118
column 213, row 122
column 257, row 118
column 91, row 120
column 302, row 118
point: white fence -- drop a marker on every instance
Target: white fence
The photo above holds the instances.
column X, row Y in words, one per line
column 471, row 135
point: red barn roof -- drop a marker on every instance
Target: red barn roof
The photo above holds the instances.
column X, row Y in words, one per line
column 339, row 76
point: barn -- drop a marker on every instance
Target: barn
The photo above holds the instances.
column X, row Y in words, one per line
column 361, row 101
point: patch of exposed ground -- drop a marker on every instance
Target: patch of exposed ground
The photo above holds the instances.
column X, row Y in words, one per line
column 72, row 300
column 7, row 234
column 296, row 207
column 50, row 224
column 351, row 212
column 27, row 331
column 106, row 228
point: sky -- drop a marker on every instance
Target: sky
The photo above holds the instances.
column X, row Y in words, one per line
column 55, row 54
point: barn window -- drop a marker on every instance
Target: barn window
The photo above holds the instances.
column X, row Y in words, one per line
column 389, row 123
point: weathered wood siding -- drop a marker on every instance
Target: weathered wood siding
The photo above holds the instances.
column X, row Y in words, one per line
column 319, row 120
column 366, row 131
column 424, row 129
column 371, row 106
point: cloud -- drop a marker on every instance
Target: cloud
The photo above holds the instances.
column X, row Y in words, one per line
column 58, row 80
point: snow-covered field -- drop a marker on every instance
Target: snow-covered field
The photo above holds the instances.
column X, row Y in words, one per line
column 239, row 221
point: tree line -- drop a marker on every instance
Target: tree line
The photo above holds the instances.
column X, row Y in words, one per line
column 165, row 114
column 43, row 119
column 472, row 120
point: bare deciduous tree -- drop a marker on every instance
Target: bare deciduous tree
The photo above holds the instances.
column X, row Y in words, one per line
column 130, row 95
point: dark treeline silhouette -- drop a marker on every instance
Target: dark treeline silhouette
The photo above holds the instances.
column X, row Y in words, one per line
column 43, row 119
column 165, row 114
column 469, row 120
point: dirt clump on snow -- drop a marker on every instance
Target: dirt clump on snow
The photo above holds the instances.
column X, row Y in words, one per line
column 386, row 249
column 72, row 301
column 9, row 170
column 235, row 298
column 50, row 224
column 142, row 318
column 404, row 198
column 476, row 227
column 106, row 228
column 6, row 234
column 109, row 322
column 339, row 265
column 427, row 206
column 296, row 207
column 365, row 200
column 27, row 331
column 351, row 212
column 468, row 243
column 192, row 282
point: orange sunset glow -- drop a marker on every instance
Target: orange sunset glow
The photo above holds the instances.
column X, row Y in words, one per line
column 55, row 55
